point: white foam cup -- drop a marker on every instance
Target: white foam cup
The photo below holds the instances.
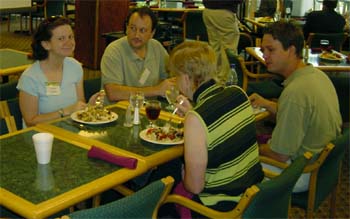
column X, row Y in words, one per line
column 43, row 146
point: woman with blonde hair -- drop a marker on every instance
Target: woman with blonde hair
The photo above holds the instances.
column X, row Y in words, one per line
column 220, row 149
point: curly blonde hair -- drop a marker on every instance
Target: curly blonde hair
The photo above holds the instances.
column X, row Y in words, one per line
column 194, row 58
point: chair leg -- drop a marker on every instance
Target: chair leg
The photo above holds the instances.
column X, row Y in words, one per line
column 96, row 200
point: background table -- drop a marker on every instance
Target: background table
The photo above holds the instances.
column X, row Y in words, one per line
column 13, row 61
column 342, row 66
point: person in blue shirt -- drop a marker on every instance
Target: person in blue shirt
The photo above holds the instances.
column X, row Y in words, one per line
column 52, row 87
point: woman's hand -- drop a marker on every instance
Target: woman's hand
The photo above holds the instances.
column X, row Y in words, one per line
column 75, row 107
column 184, row 107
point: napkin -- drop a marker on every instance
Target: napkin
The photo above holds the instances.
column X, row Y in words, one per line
column 99, row 153
column 184, row 212
column 263, row 138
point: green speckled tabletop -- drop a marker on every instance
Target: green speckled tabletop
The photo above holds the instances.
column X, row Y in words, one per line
column 115, row 133
column 69, row 168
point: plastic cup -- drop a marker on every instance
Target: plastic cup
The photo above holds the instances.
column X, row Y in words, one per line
column 43, row 147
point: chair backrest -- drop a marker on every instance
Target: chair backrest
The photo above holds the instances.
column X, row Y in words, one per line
column 193, row 26
column 8, row 90
column 91, row 86
column 245, row 40
column 7, row 125
column 329, row 172
column 336, row 40
column 15, row 111
column 141, row 204
column 273, row 198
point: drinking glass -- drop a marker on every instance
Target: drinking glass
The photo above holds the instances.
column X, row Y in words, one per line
column 136, row 99
column 171, row 95
column 153, row 108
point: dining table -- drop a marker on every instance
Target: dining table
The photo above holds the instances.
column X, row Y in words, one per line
column 34, row 190
column 342, row 65
column 13, row 61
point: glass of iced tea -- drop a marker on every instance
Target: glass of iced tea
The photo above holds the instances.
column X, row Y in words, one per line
column 153, row 108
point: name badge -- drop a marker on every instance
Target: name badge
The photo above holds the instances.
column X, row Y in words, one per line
column 145, row 74
column 53, row 88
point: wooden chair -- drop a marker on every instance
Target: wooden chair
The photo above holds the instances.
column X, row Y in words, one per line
column 141, row 204
column 324, row 179
column 268, row 199
column 336, row 40
column 7, row 125
column 243, row 74
column 7, row 121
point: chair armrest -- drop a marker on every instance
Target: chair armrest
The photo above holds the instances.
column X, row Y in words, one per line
column 307, row 169
column 245, row 200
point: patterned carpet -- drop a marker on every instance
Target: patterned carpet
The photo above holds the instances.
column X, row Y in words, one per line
column 22, row 42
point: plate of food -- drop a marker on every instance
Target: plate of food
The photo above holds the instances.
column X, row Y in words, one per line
column 163, row 135
column 94, row 116
column 332, row 56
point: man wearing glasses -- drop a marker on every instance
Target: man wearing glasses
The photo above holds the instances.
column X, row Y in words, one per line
column 136, row 62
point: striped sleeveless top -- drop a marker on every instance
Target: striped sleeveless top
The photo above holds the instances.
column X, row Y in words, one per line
column 233, row 156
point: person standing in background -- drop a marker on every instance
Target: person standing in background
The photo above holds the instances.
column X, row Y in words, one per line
column 222, row 25
column 325, row 21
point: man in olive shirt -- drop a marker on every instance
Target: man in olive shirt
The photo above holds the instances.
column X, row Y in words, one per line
column 136, row 62
column 307, row 116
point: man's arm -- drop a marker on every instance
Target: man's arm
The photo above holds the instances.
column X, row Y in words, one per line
column 116, row 92
column 265, row 150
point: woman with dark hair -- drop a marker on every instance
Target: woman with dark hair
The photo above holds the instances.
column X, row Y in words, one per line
column 53, row 86
column 325, row 21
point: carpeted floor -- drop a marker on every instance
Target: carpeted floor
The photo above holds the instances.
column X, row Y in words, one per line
column 22, row 42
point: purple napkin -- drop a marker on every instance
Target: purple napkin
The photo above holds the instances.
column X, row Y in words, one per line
column 99, row 153
column 184, row 212
column 263, row 138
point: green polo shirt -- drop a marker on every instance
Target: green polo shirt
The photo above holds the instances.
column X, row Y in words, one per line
column 308, row 115
column 120, row 64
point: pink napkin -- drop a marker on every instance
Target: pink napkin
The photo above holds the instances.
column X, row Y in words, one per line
column 99, row 153
column 184, row 212
column 263, row 138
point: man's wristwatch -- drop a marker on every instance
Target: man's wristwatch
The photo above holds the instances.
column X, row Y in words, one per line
column 61, row 112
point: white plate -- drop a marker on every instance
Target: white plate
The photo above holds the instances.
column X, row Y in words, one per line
column 74, row 116
column 324, row 57
column 144, row 136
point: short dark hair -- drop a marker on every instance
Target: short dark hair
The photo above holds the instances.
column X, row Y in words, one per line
column 143, row 11
column 288, row 33
column 331, row 4
column 44, row 33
